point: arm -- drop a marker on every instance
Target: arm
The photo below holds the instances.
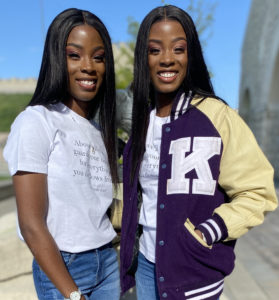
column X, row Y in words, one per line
column 32, row 206
column 247, row 178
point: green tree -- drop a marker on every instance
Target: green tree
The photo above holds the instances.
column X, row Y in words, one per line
column 202, row 14
column 124, row 56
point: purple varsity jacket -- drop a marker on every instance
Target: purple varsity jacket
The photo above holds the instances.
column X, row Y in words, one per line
column 188, row 194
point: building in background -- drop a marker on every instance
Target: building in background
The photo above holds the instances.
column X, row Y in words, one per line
column 17, row 86
column 259, row 87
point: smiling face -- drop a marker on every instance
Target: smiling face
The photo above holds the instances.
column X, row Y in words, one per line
column 86, row 66
column 167, row 56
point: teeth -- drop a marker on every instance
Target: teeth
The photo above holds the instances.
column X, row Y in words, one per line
column 86, row 82
column 167, row 75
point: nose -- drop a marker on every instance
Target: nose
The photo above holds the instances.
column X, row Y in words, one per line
column 87, row 65
column 167, row 58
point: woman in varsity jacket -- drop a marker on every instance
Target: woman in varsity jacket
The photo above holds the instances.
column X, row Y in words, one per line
column 195, row 178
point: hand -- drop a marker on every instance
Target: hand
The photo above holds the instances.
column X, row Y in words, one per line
column 32, row 207
column 199, row 233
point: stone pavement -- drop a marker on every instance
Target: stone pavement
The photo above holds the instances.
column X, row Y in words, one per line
column 256, row 275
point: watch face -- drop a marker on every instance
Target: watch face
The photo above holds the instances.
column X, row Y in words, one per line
column 75, row 295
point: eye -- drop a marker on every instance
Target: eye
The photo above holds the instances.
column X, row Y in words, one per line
column 179, row 50
column 154, row 51
column 99, row 58
column 74, row 56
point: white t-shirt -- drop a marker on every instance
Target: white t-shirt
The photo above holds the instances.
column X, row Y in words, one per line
column 148, row 178
column 69, row 149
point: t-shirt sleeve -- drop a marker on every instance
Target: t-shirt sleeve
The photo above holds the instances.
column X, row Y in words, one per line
column 29, row 144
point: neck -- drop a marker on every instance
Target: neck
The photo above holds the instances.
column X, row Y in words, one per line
column 79, row 107
column 164, row 103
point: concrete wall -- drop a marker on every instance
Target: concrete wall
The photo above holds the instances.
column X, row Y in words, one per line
column 3, row 166
column 259, row 88
column 17, row 86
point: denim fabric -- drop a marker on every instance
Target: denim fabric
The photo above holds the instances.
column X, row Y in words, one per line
column 146, row 285
column 95, row 272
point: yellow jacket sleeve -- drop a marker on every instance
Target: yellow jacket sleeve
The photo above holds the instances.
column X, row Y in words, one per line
column 245, row 174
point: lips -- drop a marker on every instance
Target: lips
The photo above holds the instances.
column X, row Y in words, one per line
column 87, row 84
column 167, row 76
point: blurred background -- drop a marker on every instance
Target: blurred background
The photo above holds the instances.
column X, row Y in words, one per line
column 240, row 40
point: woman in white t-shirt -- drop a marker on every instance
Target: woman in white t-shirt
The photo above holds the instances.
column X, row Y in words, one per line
column 64, row 164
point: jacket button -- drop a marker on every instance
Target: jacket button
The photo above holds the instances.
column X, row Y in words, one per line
column 162, row 206
column 165, row 295
column 164, row 166
column 161, row 243
column 167, row 129
column 162, row 279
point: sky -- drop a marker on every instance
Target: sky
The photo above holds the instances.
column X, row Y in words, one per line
column 23, row 25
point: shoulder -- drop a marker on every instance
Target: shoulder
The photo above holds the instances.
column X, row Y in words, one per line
column 37, row 114
column 31, row 115
column 30, row 141
column 35, row 120
column 217, row 111
column 210, row 106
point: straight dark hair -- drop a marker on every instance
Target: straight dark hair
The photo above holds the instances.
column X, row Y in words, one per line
column 197, row 78
column 53, row 83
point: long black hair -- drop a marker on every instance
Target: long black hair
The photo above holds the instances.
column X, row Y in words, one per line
column 53, row 84
column 197, row 79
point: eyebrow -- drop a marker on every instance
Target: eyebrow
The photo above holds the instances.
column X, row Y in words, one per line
column 173, row 41
column 80, row 47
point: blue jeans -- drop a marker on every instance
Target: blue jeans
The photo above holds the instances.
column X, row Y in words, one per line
column 95, row 272
column 146, row 285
